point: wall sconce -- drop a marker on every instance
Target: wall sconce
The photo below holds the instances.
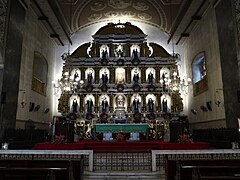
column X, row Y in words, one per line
column 193, row 111
column 218, row 97
column 209, row 105
column 23, row 99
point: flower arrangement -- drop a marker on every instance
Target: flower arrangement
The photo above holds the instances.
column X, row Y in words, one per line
column 120, row 137
column 59, row 139
column 185, row 139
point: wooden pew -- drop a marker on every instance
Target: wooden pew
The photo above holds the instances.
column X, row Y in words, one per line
column 208, row 169
column 42, row 164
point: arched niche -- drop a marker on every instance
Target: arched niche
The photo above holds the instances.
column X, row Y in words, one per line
column 74, row 104
column 150, row 72
column 104, row 72
column 120, row 102
column 75, row 74
column 165, row 103
column 89, row 72
column 89, row 98
column 134, row 73
column 120, row 76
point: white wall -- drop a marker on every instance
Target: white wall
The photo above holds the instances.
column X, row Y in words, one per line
column 36, row 38
column 205, row 38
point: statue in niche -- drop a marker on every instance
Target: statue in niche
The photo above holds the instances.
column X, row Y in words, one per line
column 135, row 53
column 104, row 77
column 104, row 104
column 164, row 105
column 150, row 105
column 119, row 51
column 89, row 77
column 120, row 101
column 150, row 77
column 89, row 105
column 76, row 76
column 120, row 77
column 74, row 106
column 135, row 77
column 136, row 104
column 104, row 54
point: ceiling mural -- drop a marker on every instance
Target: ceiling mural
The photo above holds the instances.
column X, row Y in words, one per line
column 159, row 13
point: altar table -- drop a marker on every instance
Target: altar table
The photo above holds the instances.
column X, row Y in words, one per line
column 124, row 128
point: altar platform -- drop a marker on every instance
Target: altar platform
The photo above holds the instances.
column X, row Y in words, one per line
column 121, row 146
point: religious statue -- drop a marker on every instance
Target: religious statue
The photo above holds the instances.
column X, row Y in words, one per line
column 104, row 78
column 135, row 77
column 120, row 101
column 104, row 104
column 104, row 54
column 150, row 77
column 135, row 53
column 150, row 105
column 90, row 105
column 75, row 76
column 164, row 105
column 74, row 106
column 119, row 51
column 89, row 77
column 136, row 104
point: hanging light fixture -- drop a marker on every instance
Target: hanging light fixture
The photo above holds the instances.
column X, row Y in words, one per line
column 68, row 83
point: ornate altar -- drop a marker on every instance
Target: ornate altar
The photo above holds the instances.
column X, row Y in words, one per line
column 121, row 80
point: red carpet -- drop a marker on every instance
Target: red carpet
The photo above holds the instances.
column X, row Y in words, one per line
column 99, row 145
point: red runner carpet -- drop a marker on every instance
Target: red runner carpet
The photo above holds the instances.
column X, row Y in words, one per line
column 100, row 145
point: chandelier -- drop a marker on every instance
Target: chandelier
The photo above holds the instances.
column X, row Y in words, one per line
column 70, row 82
column 172, row 82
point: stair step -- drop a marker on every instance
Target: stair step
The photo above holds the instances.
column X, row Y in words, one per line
column 123, row 175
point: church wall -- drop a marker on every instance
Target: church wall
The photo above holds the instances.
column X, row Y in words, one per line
column 36, row 38
column 204, row 38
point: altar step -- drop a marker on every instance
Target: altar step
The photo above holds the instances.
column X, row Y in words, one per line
column 116, row 175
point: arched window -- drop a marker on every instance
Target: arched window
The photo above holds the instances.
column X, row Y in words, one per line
column 199, row 72
column 40, row 70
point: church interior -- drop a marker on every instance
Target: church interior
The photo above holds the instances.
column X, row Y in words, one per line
column 110, row 81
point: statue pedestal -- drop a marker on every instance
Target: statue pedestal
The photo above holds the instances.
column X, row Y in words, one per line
column 120, row 116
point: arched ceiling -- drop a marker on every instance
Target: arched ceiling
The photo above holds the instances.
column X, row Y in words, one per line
column 63, row 18
column 82, row 13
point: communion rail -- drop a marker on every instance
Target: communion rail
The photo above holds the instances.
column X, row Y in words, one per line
column 67, row 164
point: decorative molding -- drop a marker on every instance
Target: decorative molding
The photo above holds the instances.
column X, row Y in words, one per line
column 98, row 6
column 119, row 4
column 140, row 6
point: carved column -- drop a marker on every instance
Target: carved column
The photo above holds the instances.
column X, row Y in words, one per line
column 158, row 102
column 82, row 69
column 112, row 75
column 144, row 102
column 96, row 108
column 97, row 74
column 97, row 50
column 143, row 74
column 128, row 75
column 111, row 102
column 129, row 103
column 128, row 49
column 157, row 74
column 64, row 103
column 111, row 46
column 82, row 103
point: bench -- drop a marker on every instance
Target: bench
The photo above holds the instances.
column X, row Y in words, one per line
column 208, row 170
column 34, row 173
column 36, row 170
column 44, row 163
